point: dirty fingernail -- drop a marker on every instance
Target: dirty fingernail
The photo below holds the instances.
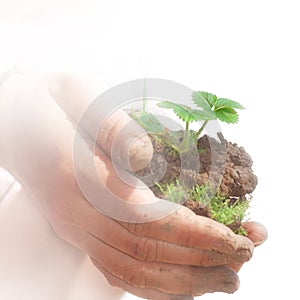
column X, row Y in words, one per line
column 140, row 152
column 228, row 281
column 231, row 286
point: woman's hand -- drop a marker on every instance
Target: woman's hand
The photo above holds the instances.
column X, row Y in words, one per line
column 176, row 257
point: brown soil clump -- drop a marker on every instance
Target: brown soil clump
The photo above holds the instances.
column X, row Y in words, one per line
column 223, row 165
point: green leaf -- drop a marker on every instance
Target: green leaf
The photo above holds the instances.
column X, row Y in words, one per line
column 227, row 114
column 184, row 112
column 223, row 102
column 201, row 99
column 150, row 123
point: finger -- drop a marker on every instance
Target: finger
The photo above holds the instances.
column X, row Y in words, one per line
column 165, row 278
column 161, row 277
column 256, row 232
column 184, row 228
column 213, row 242
column 140, row 292
column 235, row 266
column 125, row 141
column 141, row 248
column 150, row 250
column 118, row 132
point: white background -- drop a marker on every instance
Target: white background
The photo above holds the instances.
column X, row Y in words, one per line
column 244, row 50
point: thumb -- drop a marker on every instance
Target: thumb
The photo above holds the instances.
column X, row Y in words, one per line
column 257, row 232
column 117, row 134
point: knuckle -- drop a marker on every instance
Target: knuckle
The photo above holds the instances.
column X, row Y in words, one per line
column 135, row 276
column 209, row 258
column 139, row 229
column 146, row 249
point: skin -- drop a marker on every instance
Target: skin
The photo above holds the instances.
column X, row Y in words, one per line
column 176, row 257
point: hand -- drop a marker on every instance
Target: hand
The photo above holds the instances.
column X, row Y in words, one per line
column 257, row 233
column 181, row 255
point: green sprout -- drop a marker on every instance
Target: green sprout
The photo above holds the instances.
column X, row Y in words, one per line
column 145, row 95
column 201, row 194
column 227, row 213
column 148, row 121
column 187, row 115
column 212, row 108
column 222, row 209
column 227, row 210
column 173, row 192
column 224, row 109
column 154, row 128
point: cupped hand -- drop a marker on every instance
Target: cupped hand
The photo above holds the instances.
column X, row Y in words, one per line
column 257, row 233
column 176, row 257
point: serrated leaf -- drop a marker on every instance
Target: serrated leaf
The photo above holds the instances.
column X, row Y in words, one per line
column 169, row 104
column 202, row 115
column 150, row 123
column 204, row 97
column 227, row 114
column 223, row 102
column 184, row 112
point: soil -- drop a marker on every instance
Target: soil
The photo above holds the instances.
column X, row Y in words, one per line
column 225, row 166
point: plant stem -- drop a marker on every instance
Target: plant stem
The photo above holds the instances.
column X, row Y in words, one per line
column 201, row 129
column 145, row 96
column 185, row 141
column 187, row 126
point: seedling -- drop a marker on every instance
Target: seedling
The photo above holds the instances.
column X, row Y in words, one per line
column 212, row 108
column 225, row 210
column 172, row 191
column 229, row 202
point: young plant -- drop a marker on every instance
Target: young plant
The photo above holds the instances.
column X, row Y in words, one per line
column 187, row 115
column 154, row 128
column 201, row 194
column 212, row 108
column 228, row 213
column 147, row 121
column 173, row 192
column 229, row 208
column 220, row 208
column 223, row 109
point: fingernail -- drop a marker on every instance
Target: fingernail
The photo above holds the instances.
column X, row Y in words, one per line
column 259, row 239
column 257, row 232
column 227, row 281
column 140, row 152
column 231, row 285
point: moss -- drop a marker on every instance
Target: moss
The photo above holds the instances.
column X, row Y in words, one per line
column 228, row 211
